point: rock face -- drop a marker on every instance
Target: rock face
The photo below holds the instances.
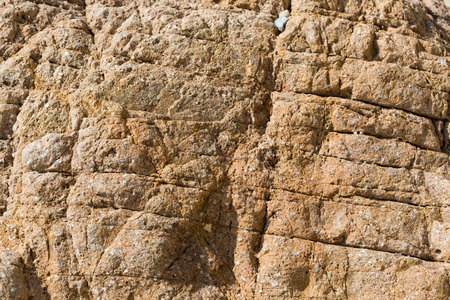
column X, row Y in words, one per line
column 188, row 149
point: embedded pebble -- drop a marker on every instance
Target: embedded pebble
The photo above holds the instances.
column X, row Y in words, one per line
column 281, row 23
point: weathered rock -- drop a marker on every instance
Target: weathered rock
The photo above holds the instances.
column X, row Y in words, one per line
column 229, row 149
column 52, row 153
column 13, row 284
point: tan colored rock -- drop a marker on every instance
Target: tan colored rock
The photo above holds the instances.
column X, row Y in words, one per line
column 13, row 284
column 193, row 150
column 52, row 153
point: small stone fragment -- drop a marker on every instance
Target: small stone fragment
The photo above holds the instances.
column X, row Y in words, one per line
column 281, row 23
column 208, row 227
column 284, row 13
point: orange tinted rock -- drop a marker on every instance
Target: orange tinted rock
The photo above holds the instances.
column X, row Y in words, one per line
column 193, row 150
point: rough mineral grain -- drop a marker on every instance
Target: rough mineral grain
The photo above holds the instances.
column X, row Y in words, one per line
column 189, row 149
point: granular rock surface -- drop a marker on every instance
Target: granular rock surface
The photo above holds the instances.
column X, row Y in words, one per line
column 189, row 149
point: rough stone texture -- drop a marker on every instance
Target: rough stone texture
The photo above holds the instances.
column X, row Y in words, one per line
column 190, row 150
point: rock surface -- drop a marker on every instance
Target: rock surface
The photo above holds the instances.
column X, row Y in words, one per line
column 190, row 150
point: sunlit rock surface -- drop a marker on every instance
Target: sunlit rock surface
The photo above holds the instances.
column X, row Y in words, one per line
column 192, row 150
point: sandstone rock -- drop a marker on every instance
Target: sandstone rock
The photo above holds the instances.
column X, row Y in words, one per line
column 226, row 149
column 13, row 284
column 52, row 153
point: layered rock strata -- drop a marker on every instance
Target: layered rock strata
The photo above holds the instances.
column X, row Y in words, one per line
column 190, row 150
